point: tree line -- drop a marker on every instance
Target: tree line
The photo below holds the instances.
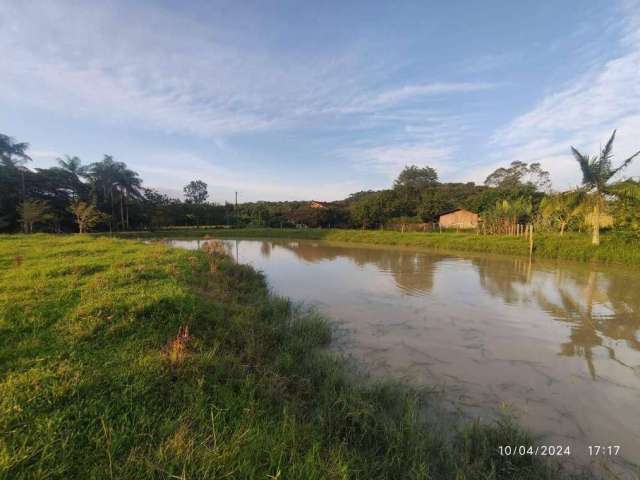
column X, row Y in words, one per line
column 108, row 196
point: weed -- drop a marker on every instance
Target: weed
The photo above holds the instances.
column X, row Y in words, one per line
column 176, row 350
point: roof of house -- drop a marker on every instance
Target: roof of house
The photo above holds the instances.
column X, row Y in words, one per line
column 317, row 202
column 455, row 210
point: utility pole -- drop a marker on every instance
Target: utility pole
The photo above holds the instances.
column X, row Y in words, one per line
column 235, row 210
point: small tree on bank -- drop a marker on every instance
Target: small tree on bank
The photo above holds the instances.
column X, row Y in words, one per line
column 31, row 212
column 195, row 194
column 627, row 207
column 561, row 208
column 86, row 215
column 596, row 172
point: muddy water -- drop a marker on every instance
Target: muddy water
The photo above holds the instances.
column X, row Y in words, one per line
column 557, row 342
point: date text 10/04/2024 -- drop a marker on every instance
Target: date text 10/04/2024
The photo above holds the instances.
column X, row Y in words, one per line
column 556, row 450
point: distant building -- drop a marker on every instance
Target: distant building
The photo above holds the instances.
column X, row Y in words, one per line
column 458, row 218
column 315, row 204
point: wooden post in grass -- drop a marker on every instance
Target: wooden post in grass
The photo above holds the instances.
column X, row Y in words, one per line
column 530, row 240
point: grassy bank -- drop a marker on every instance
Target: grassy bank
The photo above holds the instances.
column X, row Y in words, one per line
column 573, row 246
column 95, row 381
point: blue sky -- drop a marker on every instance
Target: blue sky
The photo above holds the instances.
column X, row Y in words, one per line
column 315, row 100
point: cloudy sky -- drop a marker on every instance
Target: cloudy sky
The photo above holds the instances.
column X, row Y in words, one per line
column 314, row 100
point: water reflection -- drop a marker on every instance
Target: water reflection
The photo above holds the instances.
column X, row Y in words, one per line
column 602, row 308
column 559, row 342
column 412, row 272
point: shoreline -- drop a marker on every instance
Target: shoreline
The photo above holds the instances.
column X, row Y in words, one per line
column 572, row 247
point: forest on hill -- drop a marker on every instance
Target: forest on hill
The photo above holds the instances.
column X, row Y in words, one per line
column 107, row 195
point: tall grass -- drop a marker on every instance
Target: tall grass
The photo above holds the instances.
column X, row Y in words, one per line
column 120, row 359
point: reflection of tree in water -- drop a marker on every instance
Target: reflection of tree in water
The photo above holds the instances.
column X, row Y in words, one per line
column 411, row 271
column 589, row 330
column 265, row 249
column 501, row 278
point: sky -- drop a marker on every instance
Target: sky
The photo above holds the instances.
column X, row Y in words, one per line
column 284, row 100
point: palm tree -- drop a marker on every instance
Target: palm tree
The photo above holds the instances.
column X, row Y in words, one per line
column 129, row 184
column 116, row 182
column 596, row 172
column 10, row 149
column 72, row 167
column 103, row 178
column 16, row 153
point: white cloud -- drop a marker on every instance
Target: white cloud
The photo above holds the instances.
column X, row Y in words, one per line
column 390, row 160
column 159, row 170
column 398, row 95
column 395, row 100
column 156, row 69
column 582, row 114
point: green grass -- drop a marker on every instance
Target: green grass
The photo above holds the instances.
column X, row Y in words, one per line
column 92, row 384
column 616, row 249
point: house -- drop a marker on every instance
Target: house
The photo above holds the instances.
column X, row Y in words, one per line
column 458, row 218
column 315, row 204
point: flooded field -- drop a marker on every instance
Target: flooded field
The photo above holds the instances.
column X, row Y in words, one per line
column 559, row 343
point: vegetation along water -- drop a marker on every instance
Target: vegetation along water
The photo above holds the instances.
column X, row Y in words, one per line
column 128, row 360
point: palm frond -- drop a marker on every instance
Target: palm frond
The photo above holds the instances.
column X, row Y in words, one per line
column 607, row 152
column 588, row 177
column 625, row 164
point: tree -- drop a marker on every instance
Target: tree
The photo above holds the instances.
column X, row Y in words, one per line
column 627, row 205
column 596, row 173
column 103, row 178
column 73, row 169
column 13, row 151
column 434, row 202
column 113, row 182
column 72, row 165
column 561, row 208
column 16, row 153
column 157, row 208
column 86, row 215
column 505, row 214
column 31, row 212
column 310, row 217
column 373, row 209
column 128, row 184
column 416, row 178
column 519, row 174
column 196, row 192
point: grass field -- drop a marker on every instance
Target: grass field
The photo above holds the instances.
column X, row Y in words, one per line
column 616, row 249
column 99, row 378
